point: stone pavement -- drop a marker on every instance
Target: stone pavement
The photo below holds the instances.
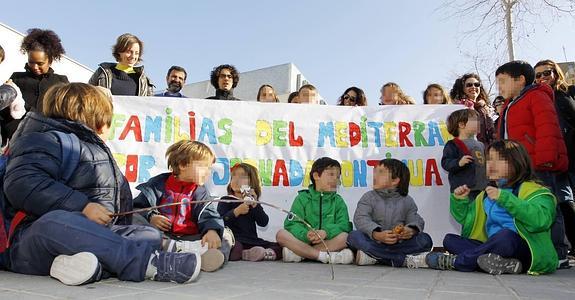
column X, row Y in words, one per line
column 277, row 280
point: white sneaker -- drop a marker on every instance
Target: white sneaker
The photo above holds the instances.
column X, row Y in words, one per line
column 187, row 246
column 289, row 256
column 80, row 268
column 362, row 259
column 343, row 257
column 416, row 261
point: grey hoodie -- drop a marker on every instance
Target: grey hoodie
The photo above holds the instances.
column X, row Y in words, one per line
column 386, row 209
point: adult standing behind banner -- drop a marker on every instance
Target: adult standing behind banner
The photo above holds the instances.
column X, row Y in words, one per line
column 175, row 79
column 353, row 96
column 435, row 94
column 392, row 94
column 43, row 47
column 123, row 77
column 547, row 71
column 224, row 79
column 266, row 93
column 469, row 91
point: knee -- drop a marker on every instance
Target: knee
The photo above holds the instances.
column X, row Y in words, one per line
column 448, row 240
column 354, row 237
column 282, row 236
column 424, row 241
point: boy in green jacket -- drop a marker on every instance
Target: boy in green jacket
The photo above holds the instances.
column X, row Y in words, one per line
column 325, row 210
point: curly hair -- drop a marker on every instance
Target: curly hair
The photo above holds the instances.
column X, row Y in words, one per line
column 216, row 74
column 43, row 40
column 361, row 99
column 458, row 90
column 403, row 98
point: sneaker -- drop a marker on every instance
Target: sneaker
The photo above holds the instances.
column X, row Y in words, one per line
column 440, row 261
column 416, row 261
column 289, row 256
column 80, row 268
column 343, row 257
column 228, row 236
column 362, row 259
column 187, row 246
column 212, row 259
column 496, row 264
column 564, row 264
column 256, row 253
column 178, row 267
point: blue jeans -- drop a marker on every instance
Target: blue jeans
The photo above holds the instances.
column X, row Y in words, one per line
column 122, row 250
column 393, row 255
column 506, row 243
column 557, row 183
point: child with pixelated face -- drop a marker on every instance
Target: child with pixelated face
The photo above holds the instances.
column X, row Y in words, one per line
column 507, row 228
column 463, row 157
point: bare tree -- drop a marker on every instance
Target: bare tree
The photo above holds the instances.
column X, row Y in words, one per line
column 494, row 23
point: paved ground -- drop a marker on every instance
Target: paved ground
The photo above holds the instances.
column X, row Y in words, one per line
column 276, row 280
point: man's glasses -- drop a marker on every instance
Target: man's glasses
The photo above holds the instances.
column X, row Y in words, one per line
column 349, row 98
column 544, row 73
column 472, row 84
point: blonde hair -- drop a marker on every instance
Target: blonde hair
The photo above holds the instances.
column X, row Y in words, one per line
column 403, row 98
column 560, row 82
column 185, row 151
column 79, row 102
column 124, row 43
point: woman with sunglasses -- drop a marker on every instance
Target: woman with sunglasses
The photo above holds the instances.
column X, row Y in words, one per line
column 353, row 96
column 469, row 91
column 548, row 72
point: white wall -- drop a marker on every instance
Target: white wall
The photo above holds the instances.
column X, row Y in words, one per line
column 14, row 60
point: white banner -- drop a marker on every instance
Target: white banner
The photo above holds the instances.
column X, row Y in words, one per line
column 283, row 140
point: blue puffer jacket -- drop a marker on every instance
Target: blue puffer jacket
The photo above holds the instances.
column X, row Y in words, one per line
column 31, row 181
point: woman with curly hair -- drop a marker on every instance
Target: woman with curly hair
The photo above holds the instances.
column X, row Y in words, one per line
column 468, row 90
column 353, row 96
column 124, row 77
column 224, row 79
column 43, row 47
column 391, row 94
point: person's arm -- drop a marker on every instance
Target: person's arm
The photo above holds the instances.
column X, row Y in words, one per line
column 537, row 213
column 362, row 217
column 413, row 219
column 293, row 225
column 206, row 215
column 342, row 223
column 32, row 175
column 226, row 210
column 7, row 95
column 451, row 157
column 259, row 215
column 459, row 208
column 548, row 138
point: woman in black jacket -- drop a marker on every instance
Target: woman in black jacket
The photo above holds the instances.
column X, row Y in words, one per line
column 43, row 47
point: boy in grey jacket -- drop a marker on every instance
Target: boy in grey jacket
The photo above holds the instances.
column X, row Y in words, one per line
column 389, row 229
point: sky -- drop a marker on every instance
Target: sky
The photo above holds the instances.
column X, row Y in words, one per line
column 335, row 44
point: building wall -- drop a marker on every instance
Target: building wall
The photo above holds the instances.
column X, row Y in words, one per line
column 15, row 60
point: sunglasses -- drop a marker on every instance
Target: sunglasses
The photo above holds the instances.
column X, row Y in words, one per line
column 348, row 97
column 472, row 84
column 544, row 73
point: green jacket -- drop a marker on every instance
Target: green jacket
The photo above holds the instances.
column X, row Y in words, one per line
column 533, row 213
column 322, row 210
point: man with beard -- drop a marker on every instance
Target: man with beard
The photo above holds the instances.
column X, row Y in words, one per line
column 175, row 79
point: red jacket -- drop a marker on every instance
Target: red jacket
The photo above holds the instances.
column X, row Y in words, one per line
column 531, row 120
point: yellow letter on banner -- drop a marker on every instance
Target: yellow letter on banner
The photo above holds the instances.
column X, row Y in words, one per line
column 263, row 132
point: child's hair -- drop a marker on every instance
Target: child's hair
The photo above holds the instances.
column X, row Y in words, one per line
column 307, row 86
column 517, row 68
column 398, row 170
column 459, row 116
column 124, row 42
column 252, row 173
column 517, row 157
column 292, row 96
column 271, row 87
column 403, row 98
column 185, row 151
column 2, row 54
column 79, row 102
column 560, row 82
column 446, row 99
column 320, row 165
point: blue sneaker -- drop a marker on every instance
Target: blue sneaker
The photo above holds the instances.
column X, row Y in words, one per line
column 178, row 267
column 440, row 261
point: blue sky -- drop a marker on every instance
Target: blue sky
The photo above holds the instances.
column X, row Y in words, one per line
column 336, row 44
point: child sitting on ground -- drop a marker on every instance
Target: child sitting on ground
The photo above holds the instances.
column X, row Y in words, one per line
column 389, row 229
column 324, row 209
column 186, row 227
column 507, row 229
column 242, row 218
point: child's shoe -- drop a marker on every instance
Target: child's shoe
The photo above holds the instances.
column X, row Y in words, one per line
column 440, row 261
column 256, row 253
column 187, row 246
column 175, row 267
column 416, row 261
column 495, row 264
column 212, row 260
column 80, row 268
column 362, row 259
column 343, row 257
column 289, row 256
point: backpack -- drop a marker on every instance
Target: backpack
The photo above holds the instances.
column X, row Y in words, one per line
column 70, row 154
